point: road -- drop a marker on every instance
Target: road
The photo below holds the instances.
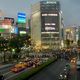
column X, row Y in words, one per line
column 75, row 73
column 51, row 72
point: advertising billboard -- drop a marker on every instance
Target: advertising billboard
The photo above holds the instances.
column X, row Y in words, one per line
column 2, row 30
column 16, row 30
column 8, row 18
column 21, row 17
column 50, row 22
column 6, row 22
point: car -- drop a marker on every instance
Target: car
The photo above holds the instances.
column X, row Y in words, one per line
column 29, row 63
column 63, row 76
column 21, row 64
column 17, row 69
column 73, row 60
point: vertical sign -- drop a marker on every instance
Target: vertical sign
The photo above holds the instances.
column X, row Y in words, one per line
column 21, row 17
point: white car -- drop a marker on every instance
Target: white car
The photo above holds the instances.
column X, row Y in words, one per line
column 63, row 76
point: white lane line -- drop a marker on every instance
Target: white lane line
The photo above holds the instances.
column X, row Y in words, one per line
column 7, row 73
column 8, row 78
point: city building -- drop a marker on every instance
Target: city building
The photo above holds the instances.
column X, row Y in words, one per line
column 5, row 28
column 46, row 25
column 21, row 23
column 28, row 26
column 78, row 32
column 71, row 34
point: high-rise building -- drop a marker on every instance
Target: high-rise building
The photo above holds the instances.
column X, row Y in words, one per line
column 71, row 34
column 46, row 24
column 78, row 32
column 21, row 23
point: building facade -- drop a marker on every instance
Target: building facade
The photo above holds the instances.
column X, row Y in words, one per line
column 46, row 24
column 71, row 34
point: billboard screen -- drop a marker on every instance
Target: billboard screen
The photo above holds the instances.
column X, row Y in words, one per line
column 21, row 17
column 50, row 22
column 16, row 30
column 6, row 22
column 2, row 30
column 8, row 18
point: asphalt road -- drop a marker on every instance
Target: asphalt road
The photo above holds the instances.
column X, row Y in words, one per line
column 51, row 72
column 78, row 75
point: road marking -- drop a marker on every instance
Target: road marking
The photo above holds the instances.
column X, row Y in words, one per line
column 7, row 73
column 8, row 78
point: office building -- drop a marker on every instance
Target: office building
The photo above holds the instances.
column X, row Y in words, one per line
column 46, row 24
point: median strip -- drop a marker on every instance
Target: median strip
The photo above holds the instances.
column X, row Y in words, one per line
column 32, row 71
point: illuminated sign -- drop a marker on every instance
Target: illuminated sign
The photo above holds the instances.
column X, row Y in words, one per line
column 48, row 2
column 22, row 32
column 11, row 19
column 21, row 18
column 49, row 28
column 6, row 22
column 49, row 14
column 50, row 22
column 2, row 30
column 6, row 26
column 16, row 30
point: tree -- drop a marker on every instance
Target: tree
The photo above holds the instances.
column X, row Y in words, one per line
column 16, row 43
column 3, row 47
column 26, row 39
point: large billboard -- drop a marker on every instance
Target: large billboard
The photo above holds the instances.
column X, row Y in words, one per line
column 6, row 22
column 21, row 17
column 2, row 30
column 50, row 22
column 8, row 18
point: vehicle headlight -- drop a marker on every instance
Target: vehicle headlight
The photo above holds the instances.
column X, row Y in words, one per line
column 65, row 76
column 71, row 60
column 60, row 75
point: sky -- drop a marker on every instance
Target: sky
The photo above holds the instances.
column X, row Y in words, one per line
column 70, row 9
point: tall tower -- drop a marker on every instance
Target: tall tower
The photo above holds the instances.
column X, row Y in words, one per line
column 45, row 24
